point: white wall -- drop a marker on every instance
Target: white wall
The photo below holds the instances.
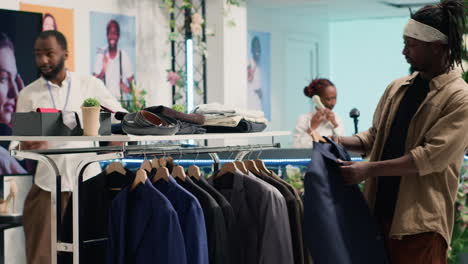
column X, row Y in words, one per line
column 291, row 36
column 227, row 59
column 365, row 56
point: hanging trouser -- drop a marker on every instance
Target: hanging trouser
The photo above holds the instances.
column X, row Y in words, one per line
column 36, row 223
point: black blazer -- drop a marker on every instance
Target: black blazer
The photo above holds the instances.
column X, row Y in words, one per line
column 96, row 195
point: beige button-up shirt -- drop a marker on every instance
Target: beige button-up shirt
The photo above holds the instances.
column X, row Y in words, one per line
column 437, row 139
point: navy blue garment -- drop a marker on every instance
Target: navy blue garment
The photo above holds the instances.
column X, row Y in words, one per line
column 191, row 220
column 144, row 229
column 338, row 225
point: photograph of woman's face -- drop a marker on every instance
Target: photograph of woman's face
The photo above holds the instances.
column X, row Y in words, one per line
column 48, row 23
column 9, row 82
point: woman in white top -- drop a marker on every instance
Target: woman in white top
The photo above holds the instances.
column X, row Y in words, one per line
column 321, row 121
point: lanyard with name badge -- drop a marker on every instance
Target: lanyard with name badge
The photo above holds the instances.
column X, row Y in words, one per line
column 68, row 117
column 52, row 96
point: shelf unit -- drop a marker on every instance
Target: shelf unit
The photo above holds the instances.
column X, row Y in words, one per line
column 117, row 152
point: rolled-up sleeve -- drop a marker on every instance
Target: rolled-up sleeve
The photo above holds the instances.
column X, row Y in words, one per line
column 300, row 137
column 446, row 141
column 367, row 139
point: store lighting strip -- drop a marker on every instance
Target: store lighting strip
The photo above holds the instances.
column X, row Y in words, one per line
column 189, row 68
column 209, row 161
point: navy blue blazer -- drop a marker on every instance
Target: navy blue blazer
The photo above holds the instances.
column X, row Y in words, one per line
column 338, row 225
column 191, row 220
column 144, row 228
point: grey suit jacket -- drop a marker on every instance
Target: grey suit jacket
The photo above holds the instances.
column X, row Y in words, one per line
column 261, row 230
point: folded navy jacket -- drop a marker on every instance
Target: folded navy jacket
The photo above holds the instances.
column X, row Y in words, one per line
column 338, row 225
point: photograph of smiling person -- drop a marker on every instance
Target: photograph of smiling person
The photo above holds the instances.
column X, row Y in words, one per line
column 10, row 80
column 56, row 18
column 48, row 22
column 10, row 85
column 114, row 61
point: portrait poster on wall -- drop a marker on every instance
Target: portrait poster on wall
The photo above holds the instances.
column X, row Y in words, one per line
column 18, row 31
column 113, row 52
column 258, row 72
column 60, row 19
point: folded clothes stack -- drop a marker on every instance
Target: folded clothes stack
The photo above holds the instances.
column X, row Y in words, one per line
column 226, row 119
column 159, row 120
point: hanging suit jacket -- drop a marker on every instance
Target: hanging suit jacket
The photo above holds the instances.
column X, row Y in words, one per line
column 294, row 215
column 95, row 200
column 261, row 228
column 228, row 213
column 144, row 229
column 214, row 219
column 300, row 204
column 191, row 220
column 338, row 225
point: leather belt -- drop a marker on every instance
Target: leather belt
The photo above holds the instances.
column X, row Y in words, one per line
column 147, row 123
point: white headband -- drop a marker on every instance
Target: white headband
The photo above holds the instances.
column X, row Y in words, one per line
column 423, row 32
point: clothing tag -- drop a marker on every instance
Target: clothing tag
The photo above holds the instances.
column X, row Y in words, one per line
column 69, row 119
column 47, row 110
column 105, row 109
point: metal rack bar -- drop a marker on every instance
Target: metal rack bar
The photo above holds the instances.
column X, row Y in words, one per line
column 116, row 152
column 153, row 149
column 77, row 244
column 54, row 196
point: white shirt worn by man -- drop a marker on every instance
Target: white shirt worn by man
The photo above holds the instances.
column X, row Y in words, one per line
column 113, row 72
column 37, row 95
column 301, row 139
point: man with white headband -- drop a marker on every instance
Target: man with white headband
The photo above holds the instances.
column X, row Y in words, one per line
column 417, row 140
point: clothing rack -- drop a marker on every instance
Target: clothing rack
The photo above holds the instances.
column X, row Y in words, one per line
column 104, row 154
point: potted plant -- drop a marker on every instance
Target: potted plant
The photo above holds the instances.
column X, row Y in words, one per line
column 90, row 110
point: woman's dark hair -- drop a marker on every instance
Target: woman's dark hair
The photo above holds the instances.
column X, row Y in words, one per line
column 317, row 87
column 255, row 48
column 5, row 41
column 449, row 18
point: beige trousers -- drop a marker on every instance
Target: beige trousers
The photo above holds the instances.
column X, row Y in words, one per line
column 36, row 223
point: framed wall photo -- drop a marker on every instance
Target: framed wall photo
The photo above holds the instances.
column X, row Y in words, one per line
column 259, row 72
column 60, row 19
column 113, row 52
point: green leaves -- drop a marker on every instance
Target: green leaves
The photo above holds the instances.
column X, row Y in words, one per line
column 179, row 108
column 91, row 102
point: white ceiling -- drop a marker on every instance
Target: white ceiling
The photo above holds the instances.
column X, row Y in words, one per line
column 338, row 9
